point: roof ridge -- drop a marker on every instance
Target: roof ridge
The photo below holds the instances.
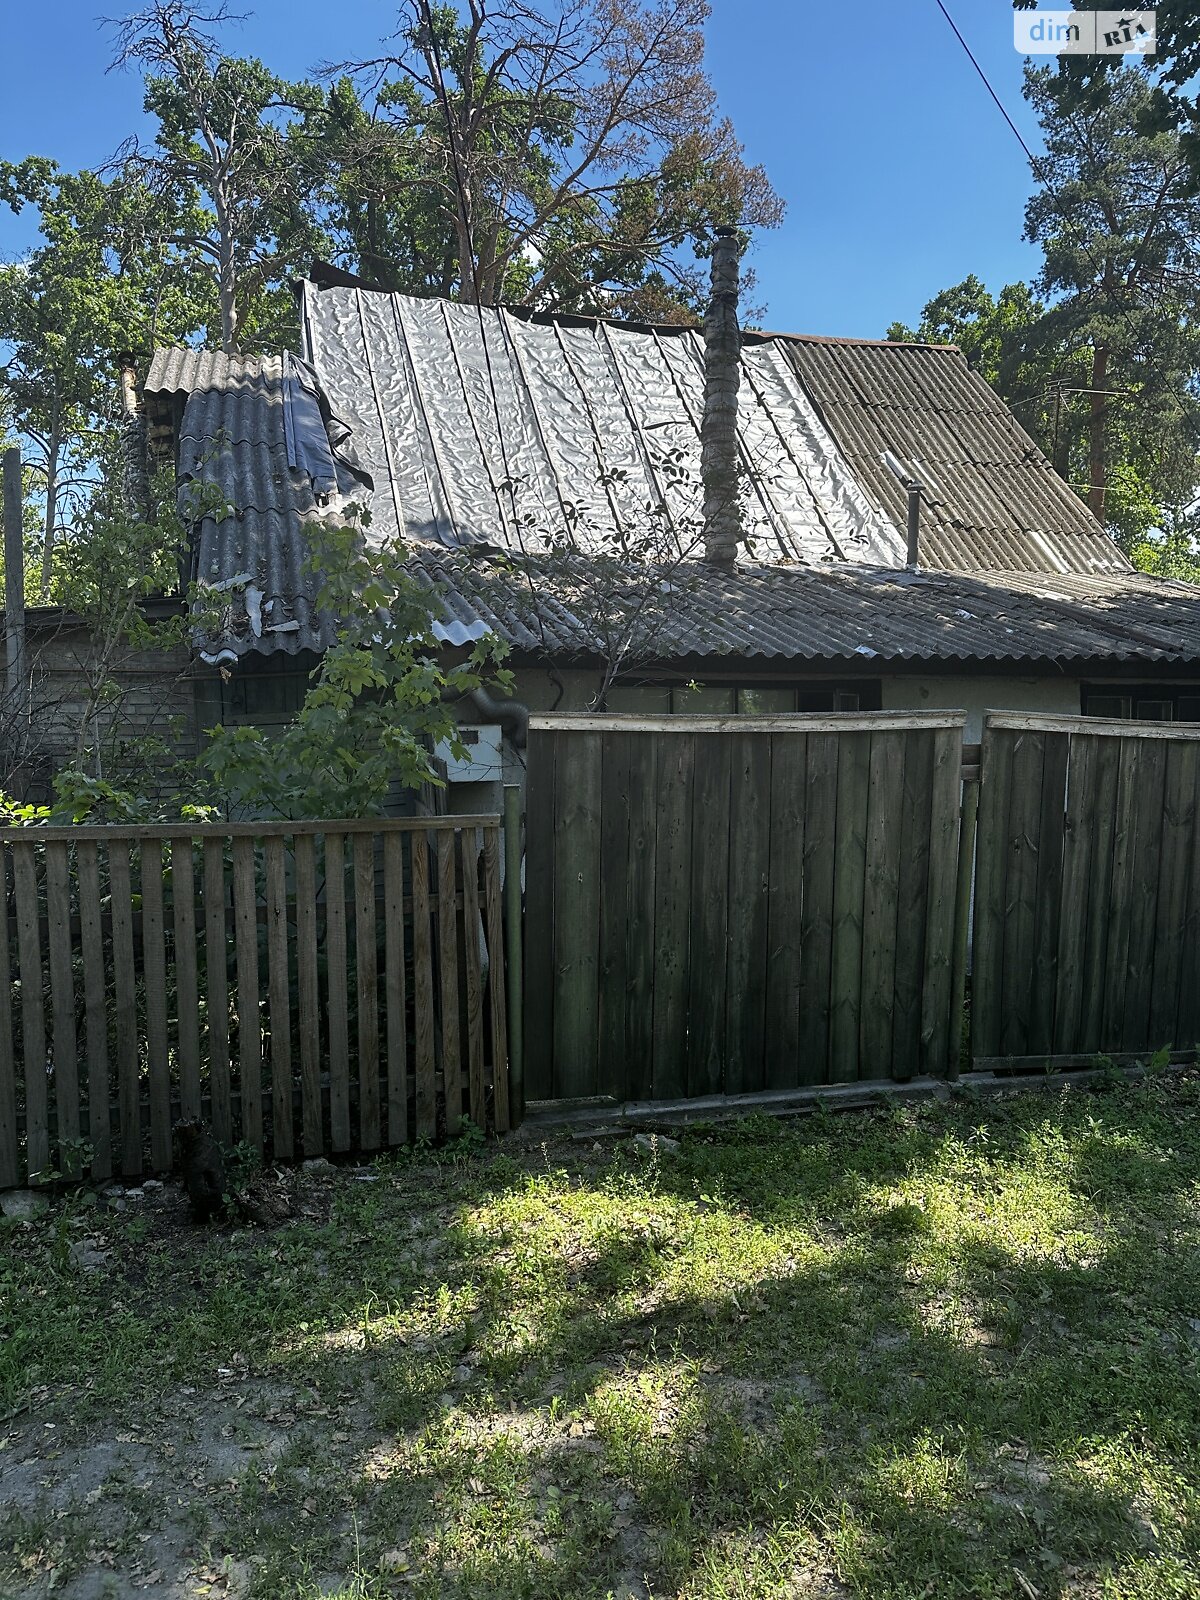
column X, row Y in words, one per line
column 594, row 319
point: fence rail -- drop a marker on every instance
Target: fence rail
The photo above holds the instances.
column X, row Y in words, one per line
column 310, row 987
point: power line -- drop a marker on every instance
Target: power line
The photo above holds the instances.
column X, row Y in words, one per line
column 1036, row 168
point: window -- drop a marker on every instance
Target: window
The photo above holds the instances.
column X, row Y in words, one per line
column 755, row 702
column 1149, row 702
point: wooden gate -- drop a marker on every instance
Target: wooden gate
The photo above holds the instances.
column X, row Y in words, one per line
column 729, row 905
column 307, row 986
column 1087, row 899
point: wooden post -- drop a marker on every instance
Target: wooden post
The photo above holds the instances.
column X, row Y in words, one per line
column 512, row 918
column 14, row 585
column 962, row 919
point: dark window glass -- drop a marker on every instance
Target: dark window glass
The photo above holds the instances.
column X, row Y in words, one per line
column 1108, row 705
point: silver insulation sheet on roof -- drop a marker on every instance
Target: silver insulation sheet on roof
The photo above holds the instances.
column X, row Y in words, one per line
column 481, row 428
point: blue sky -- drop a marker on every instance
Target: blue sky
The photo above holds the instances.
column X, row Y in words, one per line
column 899, row 174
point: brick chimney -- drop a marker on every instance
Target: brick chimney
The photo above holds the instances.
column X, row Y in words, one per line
column 718, row 430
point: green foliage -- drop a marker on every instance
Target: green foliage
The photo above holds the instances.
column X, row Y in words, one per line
column 103, row 279
column 1099, row 360
column 565, row 162
column 378, row 703
column 18, row 813
column 1171, row 75
column 233, row 156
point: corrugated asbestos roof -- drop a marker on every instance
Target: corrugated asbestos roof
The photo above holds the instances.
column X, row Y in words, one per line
column 993, row 500
column 837, row 613
column 618, row 409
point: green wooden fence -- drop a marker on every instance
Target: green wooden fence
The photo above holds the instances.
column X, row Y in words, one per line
column 729, row 905
column 1087, row 901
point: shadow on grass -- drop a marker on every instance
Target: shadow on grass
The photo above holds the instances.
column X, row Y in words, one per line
column 936, row 1354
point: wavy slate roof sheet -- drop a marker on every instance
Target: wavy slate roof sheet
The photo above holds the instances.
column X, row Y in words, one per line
column 611, row 408
column 994, row 502
column 836, row 613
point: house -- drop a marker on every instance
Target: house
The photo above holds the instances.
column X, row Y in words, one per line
column 544, row 470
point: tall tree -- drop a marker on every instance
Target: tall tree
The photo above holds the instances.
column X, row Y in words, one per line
column 1100, row 359
column 1118, row 220
column 575, row 150
column 102, row 280
column 242, row 139
column 1171, row 74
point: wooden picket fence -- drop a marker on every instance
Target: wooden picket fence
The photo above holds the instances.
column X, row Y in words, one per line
column 308, row 987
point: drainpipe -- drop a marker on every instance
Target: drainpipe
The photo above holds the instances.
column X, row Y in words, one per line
column 913, row 487
column 512, row 716
column 718, row 429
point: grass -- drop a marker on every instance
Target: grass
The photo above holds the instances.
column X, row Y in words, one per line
column 947, row 1351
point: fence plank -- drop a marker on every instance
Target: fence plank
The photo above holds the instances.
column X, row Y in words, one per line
column 33, row 1020
column 1143, row 914
column 1103, row 820
column 245, row 917
column 881, row 886
column 613, row 954
column 125, row 1009
column 308, row 995
column 396, row 988
column 1048, row 895
column 62, row 993
column 987, row 968
column 216, row 989
column 577, row 776
column 279, row 991
column 1179, row 823
column 1188, row 1026
column 785, row 898
column 816, row 932
column 338, row 978
column 423, row 1018
column 710, row 917
column 473, row 976
column 849, row 883
column 940, row 1041
column 540, row 831
column 672, row 915
column 495, row 923
column 447, row 921
column 91, row 948
column 914, row 903
column 643, row 837
column 1020, row 907
column 187, row 1010
column 10, row 1161
column 154, row 972
column 1079, row 865
column 1120, row 906
column 366, row 970
column 749, row 875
